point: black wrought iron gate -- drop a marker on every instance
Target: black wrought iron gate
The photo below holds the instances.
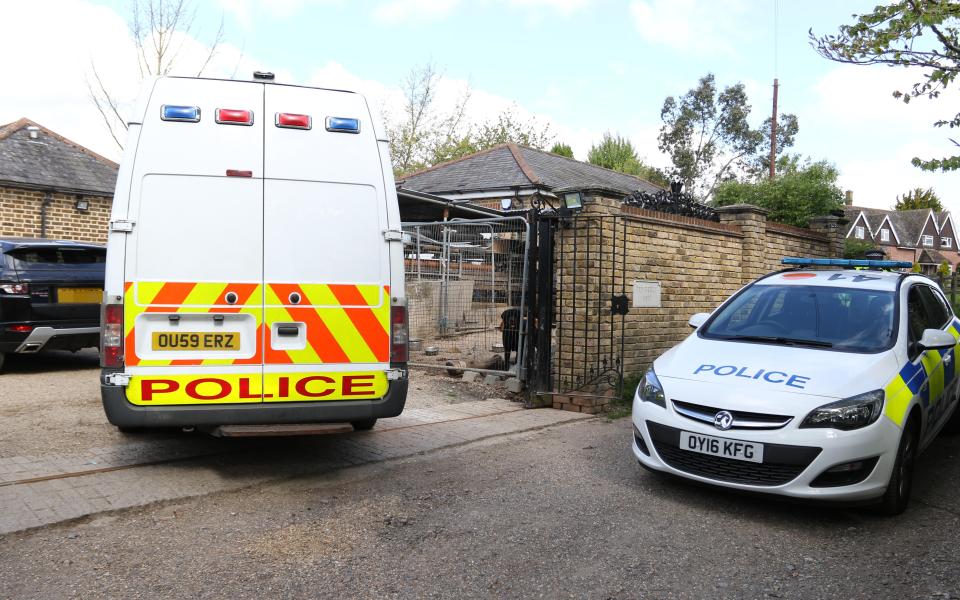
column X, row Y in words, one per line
column 579, row 300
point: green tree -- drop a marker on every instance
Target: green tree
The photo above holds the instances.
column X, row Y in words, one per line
column 708, row 137
column 793, row 197
column 854, row 248
column 944, row 269
column 562, row 149
column 617, row 153
column 919, row 34
column 424, row 135
column 919, row 198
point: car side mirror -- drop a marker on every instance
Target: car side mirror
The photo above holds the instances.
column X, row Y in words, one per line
column 936, row 339
column 698, row 319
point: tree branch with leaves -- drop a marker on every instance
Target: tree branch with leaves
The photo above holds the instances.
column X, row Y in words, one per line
column 922, row 35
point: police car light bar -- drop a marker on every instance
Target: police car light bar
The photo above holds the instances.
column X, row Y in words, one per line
column 847, row 262
column 189, row 114
column 343, row 125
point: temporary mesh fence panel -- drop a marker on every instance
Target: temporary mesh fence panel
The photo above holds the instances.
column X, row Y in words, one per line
column 466, row 287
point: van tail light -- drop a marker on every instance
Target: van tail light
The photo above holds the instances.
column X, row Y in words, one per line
column 111, row 336
column 399, row 333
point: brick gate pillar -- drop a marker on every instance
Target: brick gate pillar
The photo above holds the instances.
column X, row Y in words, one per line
column 752, row 221
column 829, row 226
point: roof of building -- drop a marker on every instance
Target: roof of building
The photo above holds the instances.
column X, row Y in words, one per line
column 907, row 224
column 52, row 162
column 510, row 166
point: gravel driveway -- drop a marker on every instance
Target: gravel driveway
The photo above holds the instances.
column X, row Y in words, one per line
column 564, row 512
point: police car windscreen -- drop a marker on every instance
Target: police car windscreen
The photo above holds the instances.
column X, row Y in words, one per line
column 852, row 320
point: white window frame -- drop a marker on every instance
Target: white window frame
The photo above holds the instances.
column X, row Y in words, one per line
column 858, row 232
column 884, row 235
column 946, row 242
column 927, row 241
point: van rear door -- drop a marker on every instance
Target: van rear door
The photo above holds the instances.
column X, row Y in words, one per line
column 193, row 300
column 326, row 263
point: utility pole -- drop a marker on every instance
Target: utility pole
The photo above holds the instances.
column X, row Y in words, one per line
column 773, row 131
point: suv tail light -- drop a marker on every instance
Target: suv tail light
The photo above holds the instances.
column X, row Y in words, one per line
column 111, row 336
column 399, row 332
column 18, row 289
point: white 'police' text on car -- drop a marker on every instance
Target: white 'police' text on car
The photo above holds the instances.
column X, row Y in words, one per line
column 807, row 383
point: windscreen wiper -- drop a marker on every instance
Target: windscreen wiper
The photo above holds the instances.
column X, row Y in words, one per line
column 781, row 340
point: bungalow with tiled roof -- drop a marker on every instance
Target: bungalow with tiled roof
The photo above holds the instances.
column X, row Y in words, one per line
column 921, row 236
column 52, row 187
column 508, row 177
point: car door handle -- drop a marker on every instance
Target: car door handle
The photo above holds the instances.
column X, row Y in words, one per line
column 288, row 330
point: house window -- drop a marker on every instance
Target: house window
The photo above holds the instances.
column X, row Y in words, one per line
column 884, row 235
column 946, row 242
column 859, row 233
column 928, row 241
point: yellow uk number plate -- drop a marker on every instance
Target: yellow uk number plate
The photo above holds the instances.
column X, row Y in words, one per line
column 68, row 295
column 196, row 340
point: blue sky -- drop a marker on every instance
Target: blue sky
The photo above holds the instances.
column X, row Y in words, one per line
column 583, row 66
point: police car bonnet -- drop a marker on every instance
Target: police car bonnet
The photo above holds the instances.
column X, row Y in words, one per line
column 757, row 366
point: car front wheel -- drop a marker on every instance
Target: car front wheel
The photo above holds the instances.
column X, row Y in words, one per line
column 897, row 496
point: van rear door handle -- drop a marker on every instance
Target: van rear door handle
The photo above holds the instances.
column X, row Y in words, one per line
column 288, row 330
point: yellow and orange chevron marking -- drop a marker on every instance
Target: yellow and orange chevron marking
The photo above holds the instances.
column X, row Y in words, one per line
column 344, row 323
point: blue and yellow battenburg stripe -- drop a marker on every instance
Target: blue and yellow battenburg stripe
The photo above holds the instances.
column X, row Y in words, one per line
column 909, row 382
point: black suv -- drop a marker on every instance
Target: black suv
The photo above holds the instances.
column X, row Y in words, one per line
column 50, row 295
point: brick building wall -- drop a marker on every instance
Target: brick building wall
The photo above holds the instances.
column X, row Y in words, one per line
column 20, row 215
column 698, row 264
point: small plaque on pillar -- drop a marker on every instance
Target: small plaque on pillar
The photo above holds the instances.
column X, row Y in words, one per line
column 646, row 294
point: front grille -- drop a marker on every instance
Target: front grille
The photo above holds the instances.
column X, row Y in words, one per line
column 741, row 419
column 781, row 465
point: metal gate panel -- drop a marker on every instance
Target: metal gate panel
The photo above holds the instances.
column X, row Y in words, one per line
column 466, row 283
column 581, row 277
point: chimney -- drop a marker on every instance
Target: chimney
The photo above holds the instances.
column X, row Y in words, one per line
column 849, row 200
column 33, row 131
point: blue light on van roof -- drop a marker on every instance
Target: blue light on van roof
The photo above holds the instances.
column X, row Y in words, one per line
column 847, row 262
column 171, row 112
column 343, row 125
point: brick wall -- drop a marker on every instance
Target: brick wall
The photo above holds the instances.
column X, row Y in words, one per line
column 20, row 215
column 697, row 263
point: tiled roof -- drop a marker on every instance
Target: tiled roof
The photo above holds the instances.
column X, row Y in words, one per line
column 52, row 162
column 510, row 166
column 908, row 224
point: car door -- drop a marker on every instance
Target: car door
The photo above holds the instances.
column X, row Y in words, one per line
column 926, row 309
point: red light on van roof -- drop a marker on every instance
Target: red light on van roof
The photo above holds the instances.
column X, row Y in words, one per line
column 292, row 121
column 231, row 116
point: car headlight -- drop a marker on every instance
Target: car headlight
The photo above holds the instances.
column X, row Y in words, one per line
column 650, row 389
column 850, row 413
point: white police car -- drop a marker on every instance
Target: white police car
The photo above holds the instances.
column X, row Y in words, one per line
column 807, row 383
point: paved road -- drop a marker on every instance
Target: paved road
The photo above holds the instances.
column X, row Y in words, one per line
column 560, row 512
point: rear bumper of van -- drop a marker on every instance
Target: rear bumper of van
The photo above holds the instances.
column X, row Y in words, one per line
column 123, row 414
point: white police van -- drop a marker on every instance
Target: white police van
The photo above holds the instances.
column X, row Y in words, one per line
column 807, row 383
column 254, row 264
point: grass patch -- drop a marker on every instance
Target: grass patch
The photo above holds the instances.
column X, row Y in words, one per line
column 623, row 406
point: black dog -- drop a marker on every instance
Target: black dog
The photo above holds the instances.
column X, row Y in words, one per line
column 510, row 324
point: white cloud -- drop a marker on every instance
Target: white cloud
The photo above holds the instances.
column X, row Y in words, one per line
column 51, row 79
column 697, row 26
column 243, row 10
column 564, row 7
column 416, row 11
